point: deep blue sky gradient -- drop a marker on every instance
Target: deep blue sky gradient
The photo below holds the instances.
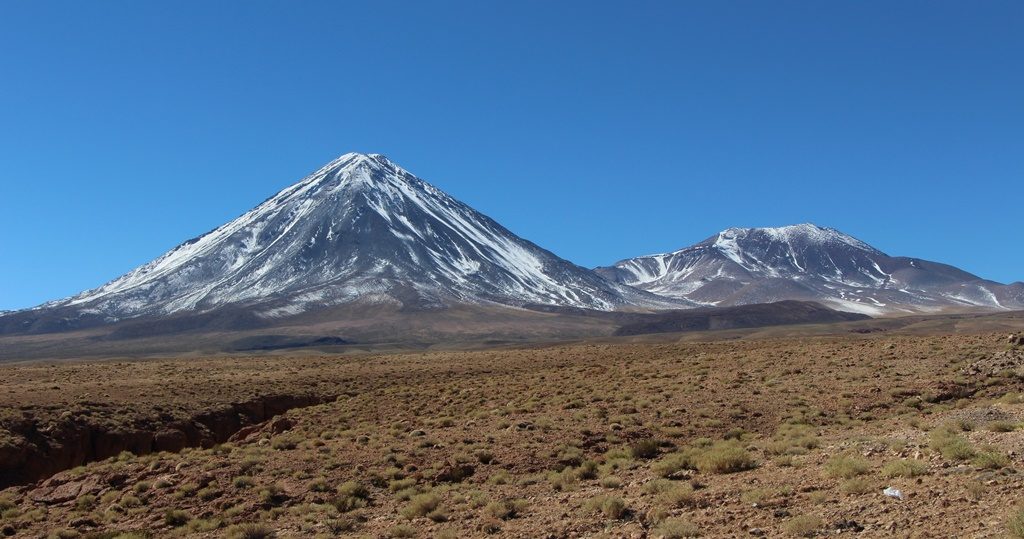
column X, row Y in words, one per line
column 599, row 130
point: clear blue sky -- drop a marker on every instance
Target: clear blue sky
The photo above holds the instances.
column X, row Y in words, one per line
column 599, row 130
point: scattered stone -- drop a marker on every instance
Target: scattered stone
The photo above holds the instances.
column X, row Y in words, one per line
column 281, row 424
column 1006, row 360
column 454, row 473
column 115, row 479
column 243, row 433
column 66, row 492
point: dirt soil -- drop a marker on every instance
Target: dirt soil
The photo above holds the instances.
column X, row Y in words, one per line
column 770, row 437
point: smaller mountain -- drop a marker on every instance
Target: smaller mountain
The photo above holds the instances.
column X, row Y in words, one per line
column 741, row 266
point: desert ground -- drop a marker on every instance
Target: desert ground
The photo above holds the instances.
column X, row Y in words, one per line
column 729, row 434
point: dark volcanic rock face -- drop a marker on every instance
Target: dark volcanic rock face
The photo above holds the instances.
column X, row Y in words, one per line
column 359, row 230
column 36, row 451
column 742, row 266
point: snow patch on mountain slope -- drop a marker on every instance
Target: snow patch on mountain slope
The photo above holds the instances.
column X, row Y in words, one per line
column 752, row 265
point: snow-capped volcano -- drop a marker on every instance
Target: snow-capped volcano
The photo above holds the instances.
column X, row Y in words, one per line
column 740, row 266
column 360, row 229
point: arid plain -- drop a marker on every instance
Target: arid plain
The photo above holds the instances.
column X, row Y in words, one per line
column 772, row 432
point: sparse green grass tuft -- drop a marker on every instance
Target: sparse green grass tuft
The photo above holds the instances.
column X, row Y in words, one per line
column 950, row 443
column 725, row 457
column 402, row 531
column 421, row 505
column 176, row 517
column 671, row 464
column 990, row 459
column 857, row 485
column 803, row 525
column 644, row 449
column 675, row 528
column 846, row 466
column 250, row 531
column 612, row 507
column 904, row 468
column 505, row 509
column 678, row 495
column 1015, row 524
column 351, row 496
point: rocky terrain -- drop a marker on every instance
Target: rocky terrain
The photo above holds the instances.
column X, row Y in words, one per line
column 878, row 434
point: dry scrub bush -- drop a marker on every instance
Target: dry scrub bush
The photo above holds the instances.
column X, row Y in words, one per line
column 857, row 485
column 675, row 528
column 990, row 459
column 422, row 505
column 725, row 457
column 803, row 525
column 610, row 506
column 677, row 495
column 351, row 496
column 846, row 466
column 176, row 517
column 506, row 509
column 1015, row 524
column 947, row 440
column 793, row 439
column 904, row 468
column 644, row 449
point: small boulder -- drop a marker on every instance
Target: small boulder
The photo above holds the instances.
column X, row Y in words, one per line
column 64, row 493
column 281, row 424
column 244, row 433
column 454, row 473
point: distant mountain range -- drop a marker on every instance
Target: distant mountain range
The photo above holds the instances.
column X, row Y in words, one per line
column 362, row 233
column 741, row 266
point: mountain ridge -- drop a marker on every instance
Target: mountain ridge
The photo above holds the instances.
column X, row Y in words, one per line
column 362, row 231
column 740, row 266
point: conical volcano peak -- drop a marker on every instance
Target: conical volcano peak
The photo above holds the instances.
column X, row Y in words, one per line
column 354, row 160
column 360, row 229
column 353, row 171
